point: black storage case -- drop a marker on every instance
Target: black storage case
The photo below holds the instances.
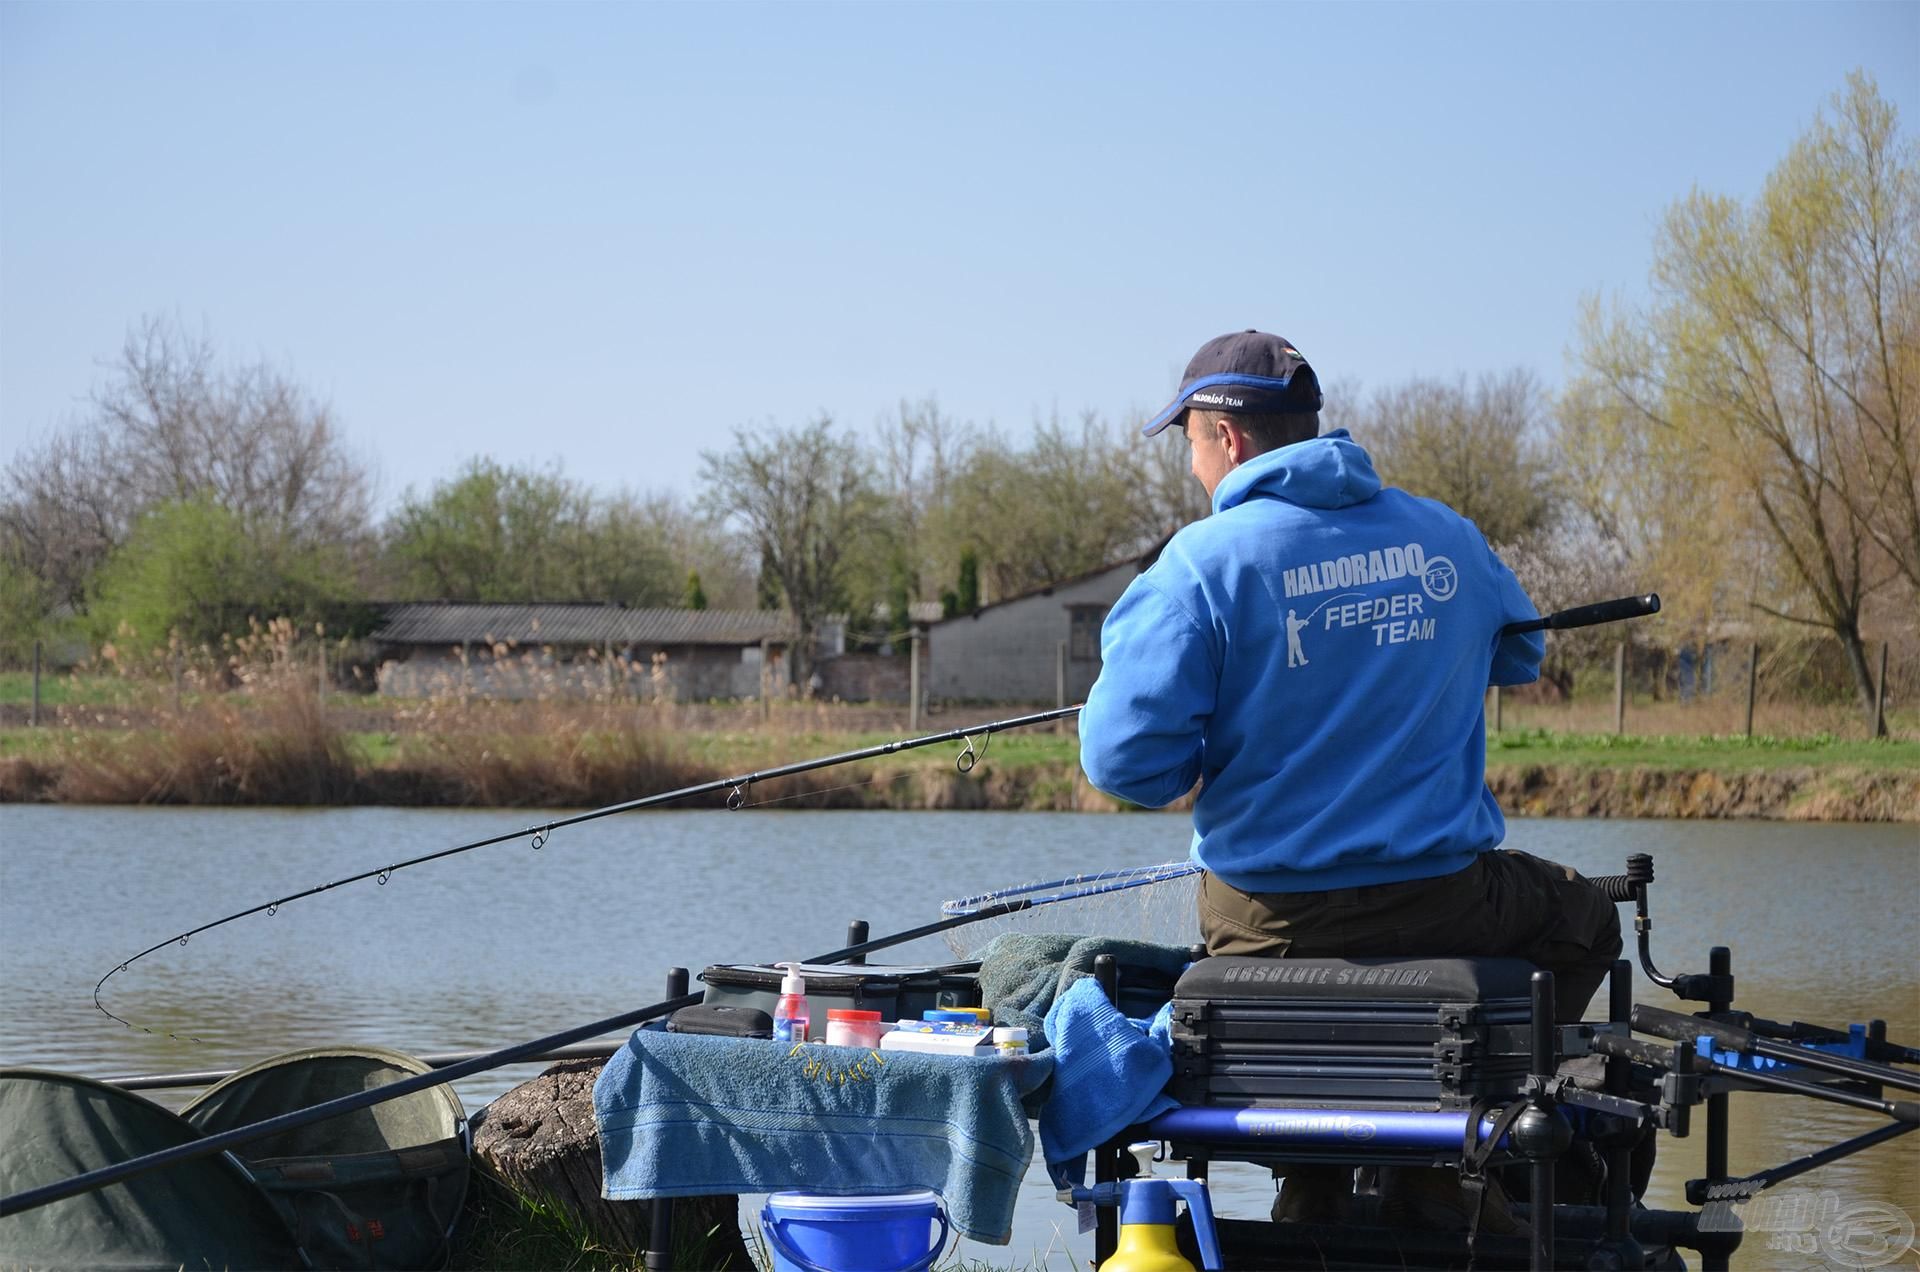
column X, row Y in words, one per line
column 721, row 1020
column 1371, row 1032
column 897, row 993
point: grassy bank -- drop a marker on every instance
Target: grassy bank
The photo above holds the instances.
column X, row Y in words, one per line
column 288, row 747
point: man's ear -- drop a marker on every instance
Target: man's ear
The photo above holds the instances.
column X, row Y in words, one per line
column 1240, row 447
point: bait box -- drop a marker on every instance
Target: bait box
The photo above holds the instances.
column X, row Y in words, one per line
column 1396, row 1033
column 958, row 1042
column 897, row 993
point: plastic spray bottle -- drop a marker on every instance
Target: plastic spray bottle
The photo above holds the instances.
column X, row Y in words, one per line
column 1147, row 1215
column 790, row 1013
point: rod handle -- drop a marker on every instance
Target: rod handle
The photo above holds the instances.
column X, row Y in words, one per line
column 1588, row 615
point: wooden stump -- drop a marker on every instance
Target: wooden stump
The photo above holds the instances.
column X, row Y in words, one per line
column 539, row 1140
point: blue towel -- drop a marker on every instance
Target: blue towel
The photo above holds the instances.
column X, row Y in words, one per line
column 682, row 1115
column 1022, row 974
column 1108, row 1073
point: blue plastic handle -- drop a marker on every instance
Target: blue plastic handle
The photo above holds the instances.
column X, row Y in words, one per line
column 1194, row 1193
column 771, row 1226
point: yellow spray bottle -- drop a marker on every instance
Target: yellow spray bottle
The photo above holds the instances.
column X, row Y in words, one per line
column 1147, row 1208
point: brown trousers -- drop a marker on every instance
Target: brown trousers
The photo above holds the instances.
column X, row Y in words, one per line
column 1505, row 905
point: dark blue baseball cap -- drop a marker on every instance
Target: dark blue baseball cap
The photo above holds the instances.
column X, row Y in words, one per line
column 1248, row 371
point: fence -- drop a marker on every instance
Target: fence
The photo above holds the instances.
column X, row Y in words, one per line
column 1781, row 688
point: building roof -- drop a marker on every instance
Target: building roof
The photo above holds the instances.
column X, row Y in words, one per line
column 575, row 623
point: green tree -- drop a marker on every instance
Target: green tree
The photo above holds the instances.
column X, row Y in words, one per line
column 196, row 569
column 766, row 584
column 806, row 498
column 498, row 533
column 966, row 592
column 696, row 595
column 1766, row 406
column 901, row 588
column 26, row 608
column 171, row 421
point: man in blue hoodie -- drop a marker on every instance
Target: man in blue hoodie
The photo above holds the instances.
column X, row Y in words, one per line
column 1316, row 654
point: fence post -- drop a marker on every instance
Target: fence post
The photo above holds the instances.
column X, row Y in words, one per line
column 1060, row 682
column 1880, row 696
column 34, row 718
column 766, row 679
column 179, row 674
column 913, row 683
column 320, row 648
column 1753, row 681
column 1499, row 709
column 1620, row 687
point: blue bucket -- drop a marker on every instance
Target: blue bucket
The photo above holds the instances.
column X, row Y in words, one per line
column 822, row 1232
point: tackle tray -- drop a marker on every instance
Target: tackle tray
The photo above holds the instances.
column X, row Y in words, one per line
column 897, row 993
column 1393, row 1033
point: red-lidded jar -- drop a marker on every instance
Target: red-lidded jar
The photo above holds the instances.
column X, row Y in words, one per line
column 847, row 1027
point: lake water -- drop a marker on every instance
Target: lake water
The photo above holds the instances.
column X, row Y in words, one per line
column 505, row 944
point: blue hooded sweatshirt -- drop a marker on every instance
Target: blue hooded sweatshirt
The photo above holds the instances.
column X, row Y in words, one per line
column 1316, row 653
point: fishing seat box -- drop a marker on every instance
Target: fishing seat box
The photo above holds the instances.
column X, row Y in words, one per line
column 897, row 993
column 1414, row 1034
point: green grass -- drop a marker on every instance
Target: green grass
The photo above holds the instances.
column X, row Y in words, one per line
column 1740, row 753
column 66, row 690
column 373, row 749
column 32, row 744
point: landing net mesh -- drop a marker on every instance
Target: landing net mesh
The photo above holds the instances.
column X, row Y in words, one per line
column 1147, row 903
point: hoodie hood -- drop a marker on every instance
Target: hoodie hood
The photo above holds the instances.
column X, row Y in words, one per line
column 1331, row 471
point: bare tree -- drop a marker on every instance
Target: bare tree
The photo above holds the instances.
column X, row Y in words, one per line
column 922, row 454
column 806, row 499
column 1074, row 499
column 1475, row 446
column 170, row 423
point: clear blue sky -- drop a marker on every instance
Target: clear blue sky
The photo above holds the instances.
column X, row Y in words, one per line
column 607, row 235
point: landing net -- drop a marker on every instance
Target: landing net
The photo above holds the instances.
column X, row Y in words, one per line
column 1144, row 903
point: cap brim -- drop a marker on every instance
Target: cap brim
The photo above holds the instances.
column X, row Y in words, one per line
column 1258, row 393
column 1167, row 416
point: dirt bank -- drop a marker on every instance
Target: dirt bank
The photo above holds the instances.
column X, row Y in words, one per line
column 1831, row 793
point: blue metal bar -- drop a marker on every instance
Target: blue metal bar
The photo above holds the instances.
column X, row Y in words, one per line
column 1318, row 1128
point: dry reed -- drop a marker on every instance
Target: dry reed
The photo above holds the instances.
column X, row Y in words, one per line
column 538, row 754
column 267, row 742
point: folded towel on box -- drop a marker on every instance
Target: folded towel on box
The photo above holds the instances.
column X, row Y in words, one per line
column 1108, row 1073
column 683, row 1115
column 1022, row 974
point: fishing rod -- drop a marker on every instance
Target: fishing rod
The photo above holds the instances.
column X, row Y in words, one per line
column 105, row 1176
column 735, row 787
column 75, row 1185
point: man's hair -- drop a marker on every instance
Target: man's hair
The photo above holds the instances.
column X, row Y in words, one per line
column 1270, row 430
